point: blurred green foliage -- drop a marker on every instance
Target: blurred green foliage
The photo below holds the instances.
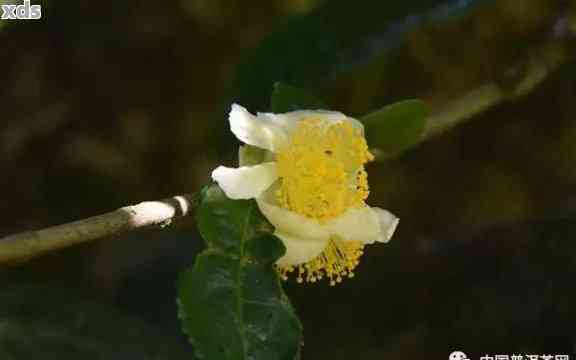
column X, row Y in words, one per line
column 312, row 50
column 45, row 322
column 395, row 127
column 286, row 98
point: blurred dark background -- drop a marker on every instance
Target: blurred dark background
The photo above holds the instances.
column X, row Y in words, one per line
column 111, row 103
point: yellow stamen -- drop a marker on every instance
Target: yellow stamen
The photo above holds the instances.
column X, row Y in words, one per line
column 322, row 175
column 322, row 169
column 336, row 262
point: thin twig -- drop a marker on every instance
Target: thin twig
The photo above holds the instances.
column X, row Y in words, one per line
column 528, row 75
column 26, row 245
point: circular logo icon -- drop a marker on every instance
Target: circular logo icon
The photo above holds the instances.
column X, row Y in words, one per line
column 458, row 355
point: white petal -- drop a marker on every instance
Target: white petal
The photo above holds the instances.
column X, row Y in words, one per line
column 270, row 131
column 291, row 223
column 288, row 121
column 356, row 123
column 299, row 250
column 388, row 223
column 359, row 224
column 245, row 182
column 255, row 130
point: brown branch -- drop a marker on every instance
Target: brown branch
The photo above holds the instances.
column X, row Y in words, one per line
column 535, row 69
column 30, row 244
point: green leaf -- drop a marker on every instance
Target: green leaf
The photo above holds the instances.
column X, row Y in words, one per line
column 249, row 155
column 41, row 322
column 232, row 305
column 287, row 98
column 395, row 127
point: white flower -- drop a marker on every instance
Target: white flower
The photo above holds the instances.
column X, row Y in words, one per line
column 312, row 190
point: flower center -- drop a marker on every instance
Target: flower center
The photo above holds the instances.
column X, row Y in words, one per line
column 322, row 169
column 337, row 261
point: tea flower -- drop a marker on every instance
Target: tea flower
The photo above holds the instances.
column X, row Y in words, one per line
column 312, row 189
